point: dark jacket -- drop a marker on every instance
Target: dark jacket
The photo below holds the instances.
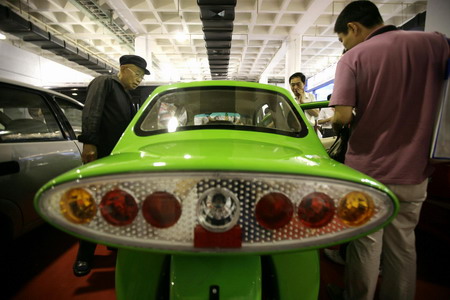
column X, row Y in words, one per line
column 108, row 110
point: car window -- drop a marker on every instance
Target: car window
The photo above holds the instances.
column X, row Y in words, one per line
column 72, row 112
column 220, row 107
column 25, row 116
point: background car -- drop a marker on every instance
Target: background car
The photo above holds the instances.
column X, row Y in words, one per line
column 38, row 130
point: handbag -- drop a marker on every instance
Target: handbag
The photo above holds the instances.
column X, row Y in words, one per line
column 339, row 148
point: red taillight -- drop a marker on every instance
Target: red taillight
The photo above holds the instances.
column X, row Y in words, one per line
column 316, row 210
column 161, row 209
column 274, row 211
column 118, row 207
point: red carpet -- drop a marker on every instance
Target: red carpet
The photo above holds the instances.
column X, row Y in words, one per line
column 40, row 265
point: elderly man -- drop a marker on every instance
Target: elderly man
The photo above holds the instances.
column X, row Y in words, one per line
column 107, row 112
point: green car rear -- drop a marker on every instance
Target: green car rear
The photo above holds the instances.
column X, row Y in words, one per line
column 217, row 190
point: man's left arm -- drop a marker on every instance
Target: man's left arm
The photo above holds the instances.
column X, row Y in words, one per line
column 313, row 112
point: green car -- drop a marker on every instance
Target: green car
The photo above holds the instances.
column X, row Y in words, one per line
column 217, row 190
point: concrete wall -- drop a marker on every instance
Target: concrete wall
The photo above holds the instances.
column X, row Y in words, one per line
column 24, row 66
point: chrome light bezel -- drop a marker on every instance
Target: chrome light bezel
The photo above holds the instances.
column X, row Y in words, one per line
column 204, row 213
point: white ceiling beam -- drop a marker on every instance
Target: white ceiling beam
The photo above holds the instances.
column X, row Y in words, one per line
column 318, row 38
column 125, row 14
column 313, row 12
column 281, row 54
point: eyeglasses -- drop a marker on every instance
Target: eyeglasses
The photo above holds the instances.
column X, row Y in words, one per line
column 296, row 83
column 139, row 76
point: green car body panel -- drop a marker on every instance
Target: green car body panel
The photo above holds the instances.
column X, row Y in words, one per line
column 221, row 150
column 296, row 274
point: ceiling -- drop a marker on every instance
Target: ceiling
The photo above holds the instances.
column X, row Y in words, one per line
column 262, row 31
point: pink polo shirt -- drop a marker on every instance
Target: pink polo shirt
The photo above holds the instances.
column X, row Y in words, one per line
column 393, row 80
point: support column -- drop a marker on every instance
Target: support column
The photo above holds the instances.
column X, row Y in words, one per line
column 264, row 79
column 142, row 46
column 293, row 58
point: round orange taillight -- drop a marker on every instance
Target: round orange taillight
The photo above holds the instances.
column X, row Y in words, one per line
column 78, row 206
column 161, row 209
column 274, row 210
column 316, row 210
column 355, row 208
column 118, row 207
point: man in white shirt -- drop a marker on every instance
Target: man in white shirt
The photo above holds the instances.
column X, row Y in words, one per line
column 297, row 82
column 324, row 121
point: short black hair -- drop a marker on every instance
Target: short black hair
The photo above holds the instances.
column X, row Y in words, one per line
column 364, row 12
column 300, row 75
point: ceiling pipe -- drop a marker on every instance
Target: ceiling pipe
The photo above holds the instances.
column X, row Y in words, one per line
column 17, row 25
column 217, row 17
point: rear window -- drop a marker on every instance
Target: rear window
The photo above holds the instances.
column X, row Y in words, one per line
column 26, row 117
column 221, row 107
column 72, row 112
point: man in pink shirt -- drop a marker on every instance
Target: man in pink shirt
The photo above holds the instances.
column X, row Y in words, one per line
column 392, row 79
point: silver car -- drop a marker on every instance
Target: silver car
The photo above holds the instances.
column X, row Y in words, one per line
column 38, row 141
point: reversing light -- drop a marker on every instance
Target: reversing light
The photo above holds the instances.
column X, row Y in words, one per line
column 118, row 207
column 316, row 210
column 356, row 208
column 274, row 210
column 218, row 209
column 78, row 206
column 161, row 209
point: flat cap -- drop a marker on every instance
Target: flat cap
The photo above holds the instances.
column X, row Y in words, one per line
column 134, row 60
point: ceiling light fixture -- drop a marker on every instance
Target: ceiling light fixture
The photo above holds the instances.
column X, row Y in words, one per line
column 181, row 36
